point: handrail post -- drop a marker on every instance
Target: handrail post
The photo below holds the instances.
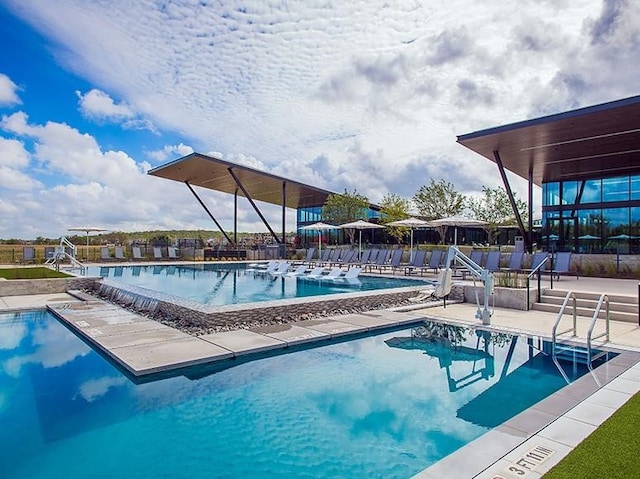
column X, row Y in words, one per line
column 575, row 314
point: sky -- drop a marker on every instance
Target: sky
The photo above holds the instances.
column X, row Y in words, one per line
column 360, row 95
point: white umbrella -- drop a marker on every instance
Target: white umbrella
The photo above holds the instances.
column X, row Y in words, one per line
column 87, row 230
column 457, row 221
column 588, row 237
column 360, row 225
column 319, row 227
column 412, row 223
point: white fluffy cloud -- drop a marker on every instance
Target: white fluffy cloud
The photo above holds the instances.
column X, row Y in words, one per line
column 8, row 91
column 364, row 94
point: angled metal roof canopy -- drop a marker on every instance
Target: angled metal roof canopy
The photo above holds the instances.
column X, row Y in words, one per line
column 205, row 171
column 596, row 141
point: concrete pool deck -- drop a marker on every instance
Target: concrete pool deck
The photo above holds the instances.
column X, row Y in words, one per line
column 530, row 443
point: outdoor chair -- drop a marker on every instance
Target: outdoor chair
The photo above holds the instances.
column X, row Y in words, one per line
column 476, row 257
column 515, row 261
column 300, row 270
column 537, row 260
column 172, row 252
column 493, row 261
column 119, row 253
column 435, row 260
column 561, row 265
column 308, row 258
column 157, row 253
column 352, row 274
column 105, row 255
column 325, row 256
column 136, row 252
column 364, row 259
column 28, row 254
column 417, row 263
column 281, row 268
column 314, row 273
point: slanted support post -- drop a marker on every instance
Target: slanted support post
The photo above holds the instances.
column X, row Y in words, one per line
column 507, row 186
column 255, row 208
column 207, row 210
column 530, row 211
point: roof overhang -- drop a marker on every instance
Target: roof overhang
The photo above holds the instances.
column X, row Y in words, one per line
column 212, row 173
column 597, row 141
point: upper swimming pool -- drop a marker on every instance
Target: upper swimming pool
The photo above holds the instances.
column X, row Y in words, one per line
column 384, row 406
column 234, row 283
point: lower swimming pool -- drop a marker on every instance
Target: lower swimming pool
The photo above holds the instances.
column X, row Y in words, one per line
column 380, row 406
column 234, row 283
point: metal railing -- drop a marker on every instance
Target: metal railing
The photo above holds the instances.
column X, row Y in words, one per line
column 603, row 299
column 538, row 270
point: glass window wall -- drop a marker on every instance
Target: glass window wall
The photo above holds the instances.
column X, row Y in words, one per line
column 615, row 189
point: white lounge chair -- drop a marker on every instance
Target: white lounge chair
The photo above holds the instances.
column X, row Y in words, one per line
column 281, row 268
column 334, row 273
column 315, row 273
column 350, row 275
column 299, row 271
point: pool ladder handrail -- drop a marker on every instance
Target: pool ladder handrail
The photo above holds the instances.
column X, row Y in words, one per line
column 604, row 299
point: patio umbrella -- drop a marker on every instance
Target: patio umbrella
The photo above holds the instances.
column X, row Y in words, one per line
column 360, row 225
column 319, row 227
column 411, row 223
column 588, row 237
column 87, row 230
column 456, row 221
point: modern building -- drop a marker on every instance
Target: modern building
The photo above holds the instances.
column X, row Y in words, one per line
column 587, row 162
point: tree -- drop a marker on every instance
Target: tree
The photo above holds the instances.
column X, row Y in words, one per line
column 439, row 200
column 494, row 207
column 394, row 208
column 344, row 208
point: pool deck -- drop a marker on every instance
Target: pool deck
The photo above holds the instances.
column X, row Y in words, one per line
column 531, row 443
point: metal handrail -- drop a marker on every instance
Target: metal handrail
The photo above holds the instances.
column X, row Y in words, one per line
column 537, row 269
column 573, row 328
column 603, row 299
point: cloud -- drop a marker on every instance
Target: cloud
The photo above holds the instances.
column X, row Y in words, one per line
column 170, row 152
column 8, row 92
column 99, row 106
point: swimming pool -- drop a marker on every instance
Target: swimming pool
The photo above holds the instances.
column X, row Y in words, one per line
column 380, row 406
column 234, row 283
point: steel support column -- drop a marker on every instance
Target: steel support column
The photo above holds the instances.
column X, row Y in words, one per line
column 530, row 210
column 208, row 212
column 235, row 217
column 507, row 186
column 248, row 196
column 284, row 209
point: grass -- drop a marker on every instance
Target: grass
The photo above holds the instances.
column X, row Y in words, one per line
column 30, row 273
column 611, row 451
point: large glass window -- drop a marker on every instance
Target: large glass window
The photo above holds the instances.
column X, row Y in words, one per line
column 589, row 223
column 592, row 192
column 635, row 187
column 615, row 189
column 569, row 192
column 550, row 194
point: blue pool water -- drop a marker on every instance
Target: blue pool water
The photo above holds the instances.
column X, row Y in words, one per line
column 234, row 283
column 381, row 406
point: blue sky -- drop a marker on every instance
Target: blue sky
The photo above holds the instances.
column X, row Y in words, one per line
column 365, row 95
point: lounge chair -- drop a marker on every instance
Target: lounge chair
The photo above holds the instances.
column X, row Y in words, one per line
column 308, row 259
column 281, row 268
column 561, row 265
column 515, row 261
column 364, row 259
column 417, row 263
column 396, row 259
column 315, row 273
column 493, row 261
column 537, row 260
column 105, row 255
column 381, row 259
column 325, row 256
column 333, row 273
column 435, row 261
column 157, row 253
column 476, row 257
column 136, row 252
column 300, row 270
column 351, row 275
column 119, row 253
column 28, row 254
column 172, row 252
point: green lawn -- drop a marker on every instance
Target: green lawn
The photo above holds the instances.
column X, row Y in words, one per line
column 611, row 452
column 30, row 273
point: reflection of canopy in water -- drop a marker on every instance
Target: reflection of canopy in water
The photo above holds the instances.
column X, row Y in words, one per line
column 512, row 394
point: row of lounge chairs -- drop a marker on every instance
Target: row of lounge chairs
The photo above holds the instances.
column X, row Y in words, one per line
column 136, row 254
column 286, row 269
column 390, row 260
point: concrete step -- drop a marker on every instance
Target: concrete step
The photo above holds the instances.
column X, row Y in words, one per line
column 587, row 312
column 613, row 298
column 591, row 304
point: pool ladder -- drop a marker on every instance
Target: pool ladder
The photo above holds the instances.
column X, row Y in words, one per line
column 579, row 353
